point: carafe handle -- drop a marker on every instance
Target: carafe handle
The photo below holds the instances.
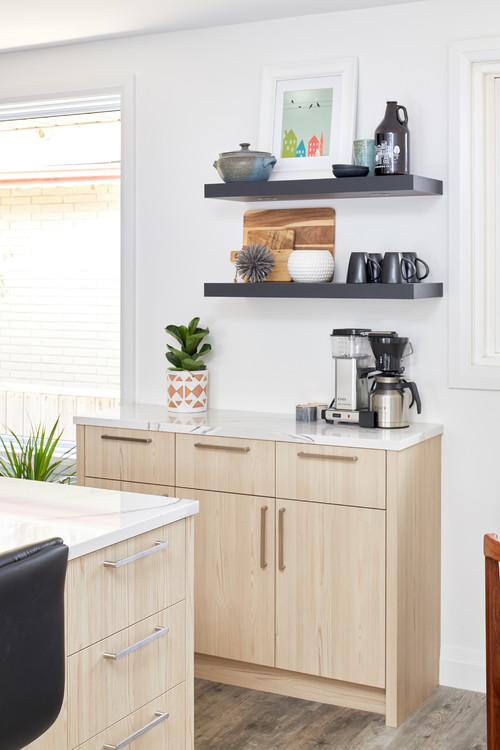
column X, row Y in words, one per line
column 403, row 121
column 415, row 396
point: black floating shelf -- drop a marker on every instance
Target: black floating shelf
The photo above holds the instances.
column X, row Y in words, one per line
column 335, row 187
column 329, row 290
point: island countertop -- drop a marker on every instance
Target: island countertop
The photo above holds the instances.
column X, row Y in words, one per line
column 259, row 426
column 87, row 519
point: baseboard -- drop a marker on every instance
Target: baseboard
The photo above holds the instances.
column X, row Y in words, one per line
column 463, row 668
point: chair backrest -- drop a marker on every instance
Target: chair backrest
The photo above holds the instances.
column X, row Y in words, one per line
column 32, row 659
column 492, row 586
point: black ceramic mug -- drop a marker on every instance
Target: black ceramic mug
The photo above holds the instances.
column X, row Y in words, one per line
column 362, row 269
column 397, row 269
column 417, row 276
column 371, row 271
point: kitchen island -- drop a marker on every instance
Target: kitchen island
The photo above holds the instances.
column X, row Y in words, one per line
column 129, row 577
column 317, row 561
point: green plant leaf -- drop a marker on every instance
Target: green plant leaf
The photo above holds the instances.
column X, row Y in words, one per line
column 175, row 361
column 193, row 325
column 175, row 332
column 191, row 364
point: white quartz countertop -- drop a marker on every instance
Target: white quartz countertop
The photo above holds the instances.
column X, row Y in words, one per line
column 259, row 426
column 87, row 519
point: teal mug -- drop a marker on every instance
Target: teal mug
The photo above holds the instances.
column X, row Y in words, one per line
column 363, row 151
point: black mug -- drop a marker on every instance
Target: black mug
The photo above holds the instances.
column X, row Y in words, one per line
column 416, row 277
column 362, row 269
column 374, row 278
column 397, row 269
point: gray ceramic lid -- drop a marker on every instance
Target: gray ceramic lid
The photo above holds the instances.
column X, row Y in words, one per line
column 245, row 151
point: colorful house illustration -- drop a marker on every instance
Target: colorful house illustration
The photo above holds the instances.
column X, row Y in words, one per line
column 313, row 146
column 301, row 149
column 289, row 146
column 321, row 144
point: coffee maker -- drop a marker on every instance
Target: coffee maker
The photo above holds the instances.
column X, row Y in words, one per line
column 354, row 366
column 391, row 396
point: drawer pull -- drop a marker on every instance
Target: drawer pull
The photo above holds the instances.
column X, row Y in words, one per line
column 350, row 459
column 159, row 631
column 159, row 718
column 281, row 531
column 127, row 439
column 263, row 511
column 145, row 553
column 232, row 448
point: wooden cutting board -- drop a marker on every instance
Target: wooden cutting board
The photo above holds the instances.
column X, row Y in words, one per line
column 314, row 228
column 280, row 241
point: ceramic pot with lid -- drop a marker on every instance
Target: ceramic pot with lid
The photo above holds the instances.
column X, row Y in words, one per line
column 245, row 165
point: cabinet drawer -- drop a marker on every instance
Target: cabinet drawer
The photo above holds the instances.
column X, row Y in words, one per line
column 169, row 734
column 343, row 476
column 225, row 464
column 116, row 484
column 114, row 688
column 103, row 599
column 130, row 455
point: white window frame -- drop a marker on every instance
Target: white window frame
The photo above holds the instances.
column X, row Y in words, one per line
column 474, row 177
column 35, row 101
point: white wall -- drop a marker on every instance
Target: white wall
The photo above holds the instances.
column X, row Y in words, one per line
column 197, row 93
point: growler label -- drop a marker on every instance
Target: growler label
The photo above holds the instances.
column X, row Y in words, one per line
column 387, row 153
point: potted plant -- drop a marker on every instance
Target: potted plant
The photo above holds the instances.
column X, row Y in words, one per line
column 187, row 380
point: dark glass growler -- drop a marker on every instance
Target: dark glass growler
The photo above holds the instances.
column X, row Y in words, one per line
column 392, row 141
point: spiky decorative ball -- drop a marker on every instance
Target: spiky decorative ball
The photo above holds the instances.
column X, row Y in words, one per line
column 254, row 263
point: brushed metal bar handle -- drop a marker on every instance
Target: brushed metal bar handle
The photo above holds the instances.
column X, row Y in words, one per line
column 159, row 718
column 127, row 439
column 263, row 511
column 281, row 530
column 350, row 459
column 138, row 555
column 159, row 631
column 233, row 448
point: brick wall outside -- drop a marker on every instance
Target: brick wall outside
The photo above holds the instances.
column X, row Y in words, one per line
column 60, row 309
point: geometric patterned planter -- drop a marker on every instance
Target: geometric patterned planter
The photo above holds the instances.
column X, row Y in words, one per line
column 187, row 390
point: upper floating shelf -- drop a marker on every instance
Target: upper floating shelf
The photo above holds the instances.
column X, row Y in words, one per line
column 328, row 290
column 335, row 187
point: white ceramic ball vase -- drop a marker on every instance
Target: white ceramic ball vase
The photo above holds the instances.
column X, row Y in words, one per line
column 311, row 266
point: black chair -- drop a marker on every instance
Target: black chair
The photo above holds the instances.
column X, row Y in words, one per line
column 32, row 659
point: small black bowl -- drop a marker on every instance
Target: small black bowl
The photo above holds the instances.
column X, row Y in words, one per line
column 349, row 170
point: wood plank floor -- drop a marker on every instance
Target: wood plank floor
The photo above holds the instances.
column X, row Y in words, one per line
column 233, row 718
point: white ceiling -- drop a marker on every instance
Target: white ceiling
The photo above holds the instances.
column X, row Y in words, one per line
column 33, row 23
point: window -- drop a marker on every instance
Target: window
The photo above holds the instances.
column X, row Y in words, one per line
column 75, row 185
column 474, row 256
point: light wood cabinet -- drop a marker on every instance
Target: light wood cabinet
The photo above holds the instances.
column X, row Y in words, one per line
column 162, row 722
column 129, row 455
column 225, row 464
column 321, row 473
column 234, row 576
column 346, row 608
column 129, row 645
column 330, row 591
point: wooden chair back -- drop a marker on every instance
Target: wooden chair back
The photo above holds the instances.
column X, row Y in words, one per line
column 492, row 586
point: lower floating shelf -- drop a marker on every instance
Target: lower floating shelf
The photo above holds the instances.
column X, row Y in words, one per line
column 329, row 290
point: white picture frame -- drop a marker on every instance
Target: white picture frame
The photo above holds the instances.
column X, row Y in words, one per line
column 338, row 79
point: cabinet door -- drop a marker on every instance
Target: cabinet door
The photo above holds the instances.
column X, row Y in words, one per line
column 330, row 591
column 234, row 576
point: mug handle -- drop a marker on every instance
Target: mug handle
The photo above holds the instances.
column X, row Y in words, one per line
column 417, row 261
column 405, row 262
column 376, row 265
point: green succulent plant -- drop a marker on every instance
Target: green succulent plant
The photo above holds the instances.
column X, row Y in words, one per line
column 189, row 337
